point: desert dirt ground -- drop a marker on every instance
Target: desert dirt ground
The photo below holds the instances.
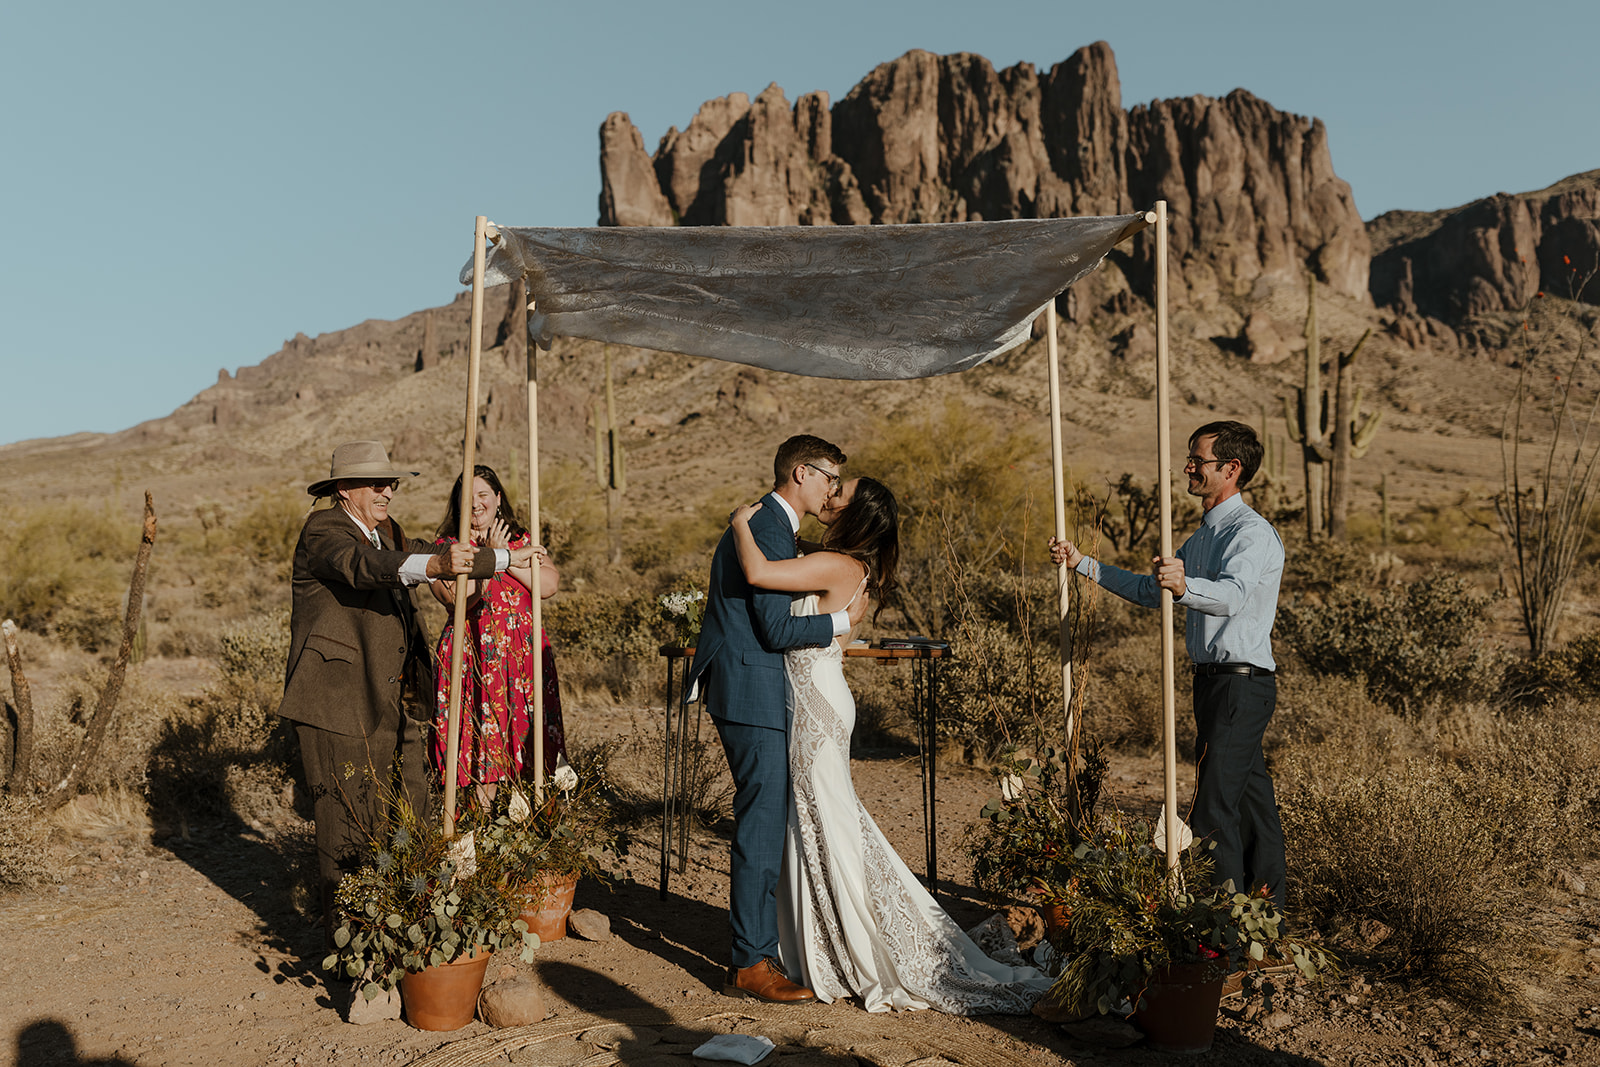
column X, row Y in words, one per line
column 183, row 945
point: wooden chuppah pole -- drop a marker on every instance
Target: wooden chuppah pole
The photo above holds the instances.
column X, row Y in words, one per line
column 1063, row 572
column 538, row 602
column 1169, row 701
column 464, row 530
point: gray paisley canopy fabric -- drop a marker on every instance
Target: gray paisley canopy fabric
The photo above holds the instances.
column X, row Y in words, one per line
column 863, row 302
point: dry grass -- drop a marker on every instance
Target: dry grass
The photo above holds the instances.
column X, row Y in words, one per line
column 25, row 860
column 1396, row 868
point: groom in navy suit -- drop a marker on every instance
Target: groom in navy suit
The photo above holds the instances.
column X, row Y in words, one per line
column 739, row 661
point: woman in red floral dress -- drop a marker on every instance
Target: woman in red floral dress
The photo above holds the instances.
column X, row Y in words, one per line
column 497, row 679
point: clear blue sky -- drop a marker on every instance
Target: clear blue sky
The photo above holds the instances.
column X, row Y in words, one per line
column 187, row 185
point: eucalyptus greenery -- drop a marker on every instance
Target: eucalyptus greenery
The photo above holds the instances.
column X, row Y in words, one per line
column 1028, row 833
column 1125, row 922
column 574, row 830
column 421, row 900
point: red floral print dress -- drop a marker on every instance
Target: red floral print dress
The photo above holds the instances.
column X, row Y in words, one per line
column 497, row 686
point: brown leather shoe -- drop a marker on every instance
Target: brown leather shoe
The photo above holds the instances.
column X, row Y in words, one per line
column 1233, row 985
column 765, row 981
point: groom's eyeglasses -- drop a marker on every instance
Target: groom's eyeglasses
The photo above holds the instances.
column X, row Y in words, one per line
column 833, row 479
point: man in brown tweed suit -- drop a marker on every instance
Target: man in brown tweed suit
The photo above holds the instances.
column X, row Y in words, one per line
column 356, row 651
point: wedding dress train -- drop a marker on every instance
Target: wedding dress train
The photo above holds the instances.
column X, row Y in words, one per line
column 853, row 921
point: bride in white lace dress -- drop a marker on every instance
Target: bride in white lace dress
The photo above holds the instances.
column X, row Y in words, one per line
column 853, row 921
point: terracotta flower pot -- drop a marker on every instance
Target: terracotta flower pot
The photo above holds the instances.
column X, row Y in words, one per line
column 1179, row 1013
column 549, row 900
column 1056, row 915
column 445, row 997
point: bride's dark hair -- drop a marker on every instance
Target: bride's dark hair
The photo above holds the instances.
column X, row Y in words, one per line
column 868, row 529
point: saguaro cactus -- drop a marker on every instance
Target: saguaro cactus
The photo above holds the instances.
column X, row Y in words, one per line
column 1329, row 428
column 1270, row 487
column 1352, row 436
column 1307, row 419
column 610, row 463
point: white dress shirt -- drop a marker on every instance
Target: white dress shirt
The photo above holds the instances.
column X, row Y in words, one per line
column 414, row 571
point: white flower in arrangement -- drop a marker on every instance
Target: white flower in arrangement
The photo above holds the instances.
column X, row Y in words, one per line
column 464, row 854
column 565, row 778
column 518, row 807
column 681, row 603
column 1012, row 787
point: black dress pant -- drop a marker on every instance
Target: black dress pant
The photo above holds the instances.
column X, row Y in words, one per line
column 350, row 811
column 1234, row 803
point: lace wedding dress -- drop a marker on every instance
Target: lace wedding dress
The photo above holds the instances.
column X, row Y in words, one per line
column 853, row 921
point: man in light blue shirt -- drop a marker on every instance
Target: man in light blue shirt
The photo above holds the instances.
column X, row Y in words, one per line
column 1226, row 575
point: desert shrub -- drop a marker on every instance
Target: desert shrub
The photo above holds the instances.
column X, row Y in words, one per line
column 124, row 752
column 256, row 650
column 55, row 554
column 1121, row 683
column 632, row 772
column 222, row 754
column 1535, row 786
column 1412, row 643
column 884, row 705
column 226, row 752
column 1324, row 565
column 269, row 529
column 24, row 858
column 998, row 691
column 89, row 621
column 962, row 480
column 1572, row 670
column 1334, row 709
column 1457, row 527
column 607, row 640
column 1395, row 866
column 188, row 632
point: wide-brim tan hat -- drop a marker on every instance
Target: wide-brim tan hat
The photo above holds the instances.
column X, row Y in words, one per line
column 358, row 459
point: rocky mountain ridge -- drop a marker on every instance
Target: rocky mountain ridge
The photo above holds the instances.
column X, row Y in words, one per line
column 1253, row 198
column 1255, row 205
column 1492, row 255
column 927, row 138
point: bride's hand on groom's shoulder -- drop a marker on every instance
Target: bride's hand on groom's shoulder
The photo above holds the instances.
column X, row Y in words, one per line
column 742, row 514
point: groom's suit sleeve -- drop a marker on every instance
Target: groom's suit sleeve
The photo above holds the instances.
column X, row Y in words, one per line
column 777, row 629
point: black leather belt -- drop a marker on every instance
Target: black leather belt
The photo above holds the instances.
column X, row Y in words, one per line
column 1211, row 670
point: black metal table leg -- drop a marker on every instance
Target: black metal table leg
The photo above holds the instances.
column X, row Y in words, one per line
column 667, row 792
column 930, row 690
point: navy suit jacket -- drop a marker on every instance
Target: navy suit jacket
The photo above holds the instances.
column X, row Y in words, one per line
column 739, row 656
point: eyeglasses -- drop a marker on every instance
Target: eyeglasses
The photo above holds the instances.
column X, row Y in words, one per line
column 1195, row 462
column 378, row 485
column 833, row 479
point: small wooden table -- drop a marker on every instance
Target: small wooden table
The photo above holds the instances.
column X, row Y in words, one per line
column 675, row 757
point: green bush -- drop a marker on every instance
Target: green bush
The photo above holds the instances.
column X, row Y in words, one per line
column 1413, row 643
column 607, row 640
column 222, row 754
column 269, row 530
column 964, row 482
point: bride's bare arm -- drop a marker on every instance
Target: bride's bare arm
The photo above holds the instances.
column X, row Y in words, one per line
column 818, row 573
